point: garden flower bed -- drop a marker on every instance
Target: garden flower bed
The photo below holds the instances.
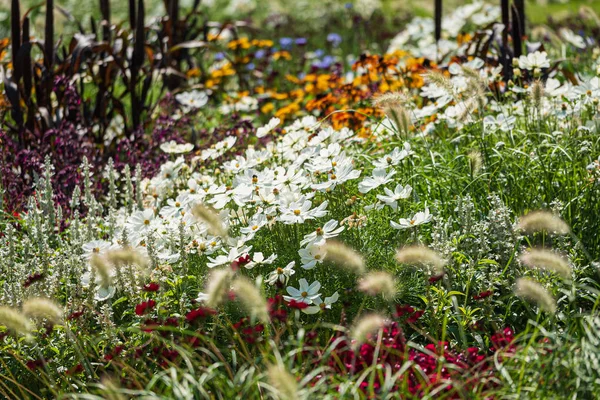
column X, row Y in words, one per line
column 195, row 209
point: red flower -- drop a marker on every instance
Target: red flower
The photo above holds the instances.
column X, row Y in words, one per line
column 416, row 315
column 151, row 287
column 75, row 370
column 402, row 310
column 300, row 305
column 240, row 262
column 483, row 295
column 32, row 279
column 75, row 315
column 144, row 306
column 436, row 278
column 201, row 312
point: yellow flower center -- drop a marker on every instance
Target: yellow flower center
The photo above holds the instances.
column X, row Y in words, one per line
column 296, row 212
column 146, row 222
column 304, row 294
column 280, row 271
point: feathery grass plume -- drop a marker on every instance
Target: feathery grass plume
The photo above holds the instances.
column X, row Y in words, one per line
column 421, row 256
column 283, row 381
column 588, row 13
column 531, row 290
column 365, row 326
column 340, row 254
column 126, row 256
column 466, row 108
column 211, row 217
column 539, row 221
column 392, row 104
column 441, row 80
column 15, row 321
column 547, row 260
column 537, row 93
column 475, row 161
column 389, row 99
column 378, row 282
column 217, row 286
column 251, row 299
column 110, row 390
column 103, row 269
column 39, row 307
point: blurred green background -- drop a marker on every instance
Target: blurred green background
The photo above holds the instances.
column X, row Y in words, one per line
column 392, row 11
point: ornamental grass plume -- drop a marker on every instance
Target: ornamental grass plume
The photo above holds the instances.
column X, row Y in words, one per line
column 364, row 327
column 441, row 80
column 15, row 321
column 547, row 260
column 251, row 299
column 543, row 221
column 475, row 162
column 537, row 93
column 392, row 104
column 421, row 256
column 340, row 254
column 40, row 307
column 533, row 291
column 378, row 282
column 103, row 269
column 126, row 256
column 211, row 217
column 217, row 287
column 283, row 381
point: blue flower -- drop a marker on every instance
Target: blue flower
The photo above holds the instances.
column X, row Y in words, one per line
column 335, row 39
column 324, row 63
column 260, row 54
column 286, row 43
column 301, row 41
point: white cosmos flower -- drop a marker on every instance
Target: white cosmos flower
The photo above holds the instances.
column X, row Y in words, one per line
column 311, row 256
column 391, row 198
column 299, row 211
column 259, row 259
column 394, row 157
column 141, row 222
column 320, row 235
column 173, row 147
column 531, row 61
column 192, row 100
column 378, row 177
column 96, row 247
column 420, row 218
column 230, row 257
column 572, row 38
column 281, row 275
column 320, row 305
column 264, row 130
column 305, row 293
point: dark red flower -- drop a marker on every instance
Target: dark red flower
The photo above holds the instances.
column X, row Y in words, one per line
column 151, row 287
column 77, row 369
column 75, row 315
column 32, row 279
column 300, row 305
column 144, row 306
column 415, row 316
column 436, row 278
column 404, row 309
column 483, row 295
column 200, row 312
